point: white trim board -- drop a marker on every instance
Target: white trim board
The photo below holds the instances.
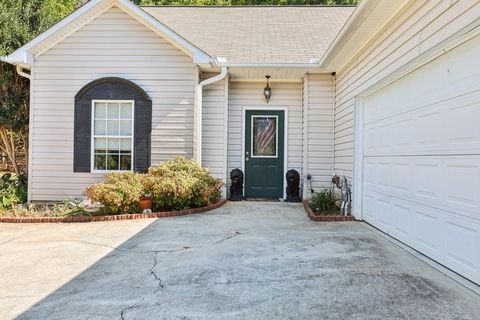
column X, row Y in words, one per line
column 92, row 136
column 285, row 139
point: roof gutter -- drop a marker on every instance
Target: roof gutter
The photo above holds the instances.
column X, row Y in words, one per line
column 18, row 67
column 312, row 64
column 198, row 111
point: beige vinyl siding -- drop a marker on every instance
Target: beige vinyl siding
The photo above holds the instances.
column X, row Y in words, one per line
column 319, row 130
column 419, row 27
column 250, row 94
column 214, row 126
column 114, row 44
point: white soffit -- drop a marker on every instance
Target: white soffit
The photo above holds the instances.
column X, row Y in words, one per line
column 260, row 73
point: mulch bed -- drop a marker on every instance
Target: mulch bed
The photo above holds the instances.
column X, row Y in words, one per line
column 318, row 217
column 133, row 216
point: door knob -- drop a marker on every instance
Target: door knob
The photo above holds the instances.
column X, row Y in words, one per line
column 246, row 159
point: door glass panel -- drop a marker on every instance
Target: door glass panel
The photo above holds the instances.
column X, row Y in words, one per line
column 264, row 136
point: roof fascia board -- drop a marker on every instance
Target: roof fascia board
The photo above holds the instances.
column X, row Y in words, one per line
column 364, row 12
column 358, row 16
column 23, row 57
column 18, row 56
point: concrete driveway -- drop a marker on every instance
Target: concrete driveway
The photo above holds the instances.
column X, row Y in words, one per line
column 243, row 261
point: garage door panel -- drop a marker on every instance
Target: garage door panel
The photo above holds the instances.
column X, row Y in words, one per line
column 462, row 186
column 402, row 216
column 424, row 237
column 445, row 182
column 446, row 127
column 453, row 74
column 460, row 239
column 369, row 208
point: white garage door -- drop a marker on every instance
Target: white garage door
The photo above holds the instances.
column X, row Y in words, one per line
column 421, row 180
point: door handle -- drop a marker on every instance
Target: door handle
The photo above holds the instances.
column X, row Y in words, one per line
column 246, row 159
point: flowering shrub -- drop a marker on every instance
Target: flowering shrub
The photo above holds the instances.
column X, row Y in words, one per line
column 174, row 185
column 181, row 184
column 119, row 193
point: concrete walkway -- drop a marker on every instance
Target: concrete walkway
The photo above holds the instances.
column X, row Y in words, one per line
column 243, row 261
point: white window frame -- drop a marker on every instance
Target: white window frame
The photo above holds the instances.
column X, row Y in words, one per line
column 276, row 136
column 92, row 136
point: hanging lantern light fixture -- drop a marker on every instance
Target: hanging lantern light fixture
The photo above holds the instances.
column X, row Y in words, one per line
column 267, row 91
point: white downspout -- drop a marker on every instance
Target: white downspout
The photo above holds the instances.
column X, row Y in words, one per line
column 29, row 76
column 23, row 73
column 197, row 150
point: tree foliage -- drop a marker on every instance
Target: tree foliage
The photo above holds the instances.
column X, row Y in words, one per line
column 20, row 21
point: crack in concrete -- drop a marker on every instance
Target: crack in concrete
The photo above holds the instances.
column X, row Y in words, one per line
column 227, row 238
column 130, row 307
column 152, row 271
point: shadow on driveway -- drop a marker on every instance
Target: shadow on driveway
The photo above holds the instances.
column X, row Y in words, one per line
column 256, row 261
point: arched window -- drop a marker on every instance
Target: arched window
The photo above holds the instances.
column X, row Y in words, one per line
column 112, row 127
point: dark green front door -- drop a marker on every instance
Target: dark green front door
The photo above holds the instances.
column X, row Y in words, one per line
column 264, row 152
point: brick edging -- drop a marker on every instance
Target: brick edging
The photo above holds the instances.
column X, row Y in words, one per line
column 132, row 216
column 316, row 217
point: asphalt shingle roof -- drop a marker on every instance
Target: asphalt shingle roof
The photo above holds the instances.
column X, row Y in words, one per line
column 276, row 34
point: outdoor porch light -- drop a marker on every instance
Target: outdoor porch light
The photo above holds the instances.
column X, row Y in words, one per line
column 267, row 91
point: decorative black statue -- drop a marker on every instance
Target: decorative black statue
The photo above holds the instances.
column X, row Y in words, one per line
column 293, row 186
column 236, row 188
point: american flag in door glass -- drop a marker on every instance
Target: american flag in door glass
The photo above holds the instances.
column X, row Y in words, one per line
column 264, row 136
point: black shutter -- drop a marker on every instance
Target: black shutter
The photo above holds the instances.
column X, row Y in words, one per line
column 142, row 134
column 82, row 136
column 112, row 89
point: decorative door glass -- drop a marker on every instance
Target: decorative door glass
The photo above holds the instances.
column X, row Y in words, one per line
column 264, row 136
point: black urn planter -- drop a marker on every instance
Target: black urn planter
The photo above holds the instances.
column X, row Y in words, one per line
column 293, row 186
column 236, row 187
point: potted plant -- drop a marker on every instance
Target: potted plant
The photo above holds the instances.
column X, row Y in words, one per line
column 145, row 202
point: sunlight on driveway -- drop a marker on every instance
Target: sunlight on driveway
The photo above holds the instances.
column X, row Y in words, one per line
column 37, row 259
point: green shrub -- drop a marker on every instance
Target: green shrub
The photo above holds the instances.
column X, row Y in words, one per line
column 174, row 185
column 13, row 191
column 181, row 184
column 324, row 202
column 119, row 193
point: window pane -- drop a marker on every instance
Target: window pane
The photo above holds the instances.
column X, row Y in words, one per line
column 125, row 162
column 100, row 127
column 100, row 162
column 112, row 127
column 113, row 145
column 125, row 127
column 264, row 136
column 126, row 110
column 100, row 145
column 126, row 145
column 112, row 161
column 113, row 110
column 100, row 110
